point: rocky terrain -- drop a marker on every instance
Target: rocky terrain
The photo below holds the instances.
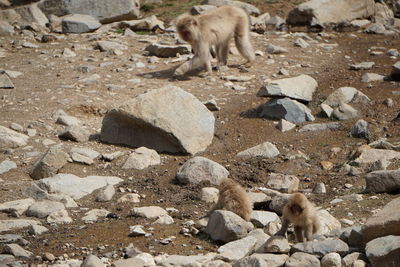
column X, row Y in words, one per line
column 106, row 159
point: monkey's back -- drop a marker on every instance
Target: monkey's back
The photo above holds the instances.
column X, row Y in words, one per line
column 234, row 198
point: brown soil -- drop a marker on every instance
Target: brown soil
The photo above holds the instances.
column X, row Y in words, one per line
column 41, row 91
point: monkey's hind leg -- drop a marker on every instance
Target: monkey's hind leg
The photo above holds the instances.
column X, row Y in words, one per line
column 222, row 54
column 298, row 232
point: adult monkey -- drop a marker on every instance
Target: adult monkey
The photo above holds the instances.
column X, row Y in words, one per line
column 214, row 28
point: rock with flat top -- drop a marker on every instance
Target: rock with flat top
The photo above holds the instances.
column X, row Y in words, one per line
column 11, row 139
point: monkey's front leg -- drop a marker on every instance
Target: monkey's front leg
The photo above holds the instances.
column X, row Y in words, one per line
column 283, row 230
column 201, row 58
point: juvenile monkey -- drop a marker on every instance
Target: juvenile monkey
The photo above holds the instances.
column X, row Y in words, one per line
column 214, row 28
column 233, row 197
column 302, row 214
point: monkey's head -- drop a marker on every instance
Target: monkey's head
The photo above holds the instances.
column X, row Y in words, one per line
column 297, row 203
column 187, row 27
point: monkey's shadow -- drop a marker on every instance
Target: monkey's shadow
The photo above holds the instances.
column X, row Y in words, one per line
column 168, row 74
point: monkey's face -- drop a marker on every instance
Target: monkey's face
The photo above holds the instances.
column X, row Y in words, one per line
column 187, row 27
column 296, row 210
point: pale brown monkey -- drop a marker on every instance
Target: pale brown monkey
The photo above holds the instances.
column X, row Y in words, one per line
column 233, row 197
column 302, row 214
column 214, row 28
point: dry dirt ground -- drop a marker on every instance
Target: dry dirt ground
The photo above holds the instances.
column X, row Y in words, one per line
column 50, row 82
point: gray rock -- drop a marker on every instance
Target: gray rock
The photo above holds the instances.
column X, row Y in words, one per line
column 17, row 251
column 327, row 110
column 277, row 244
column 200, row 9
column 150, row 120
column 261, row 218
column 346, row 95
column 395, row 74
column 376, row 28
column 37, row 230
column 209, row 194
column 150, row 212
column 260, row 236
column 272, row 260
column 11, row 139
column 362, row 66
column 287, row 109
column 5, row 82
column 300, row 88
column 92, row 261
column 102, row 10
column 6, row 259
column 136, row 230
column 112, row 156
column 372, row 77
column 93, row 215
column 327, row 222
column 238, row 249
column 17, row 207
column 283, row 183
column 332, row 259
column 317, row 13
column 278, row 202
column 141, row 158
column 10, row 225
column 199, row 169
column 355, row 237
column 250, row 9
column 274, row 49
column 92, row 78
column 25, row 15
column 264, row 150
column 384, row 222
column 106, row 193
column 75, row 186
column 161, row 50
column 42, row 209
column 7, row 165
column 321, row 248
column 49, row 164
column 180, row 260
column 360, row 129
column 16, row 127
column 349, row 259
column 59, row 217
column 78, row 23
column 211, row 105
column 300, row 42
column 145, row 24
column 75, row 133
column 111, row 46
column 76, row 157
column 164, row 219
column 345, row 112
column 316, row 127
column 319, row 188
column 129, row 262
column 368, row 156
column 252, row 261
column 285, row 125
column 11, row 238
column 6, row 29
column 67, row 120
column 226, row 226
column 130, row 197
column 384, row 251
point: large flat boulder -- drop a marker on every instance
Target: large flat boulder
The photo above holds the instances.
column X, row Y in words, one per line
column 384, row 251
column 104, row 10
column 75, row 186
column 323, row 12
column 11, row 139
column 166, row 119
column 383, row 181
column 300, row 88
column 24, row 15
column 384, row 222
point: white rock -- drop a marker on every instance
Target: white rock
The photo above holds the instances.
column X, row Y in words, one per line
column 264, row 150
column 142, row 158
column 94, row 214
column 150, row 212
column 59, row 217
column 209, row 194
column 11, row 139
